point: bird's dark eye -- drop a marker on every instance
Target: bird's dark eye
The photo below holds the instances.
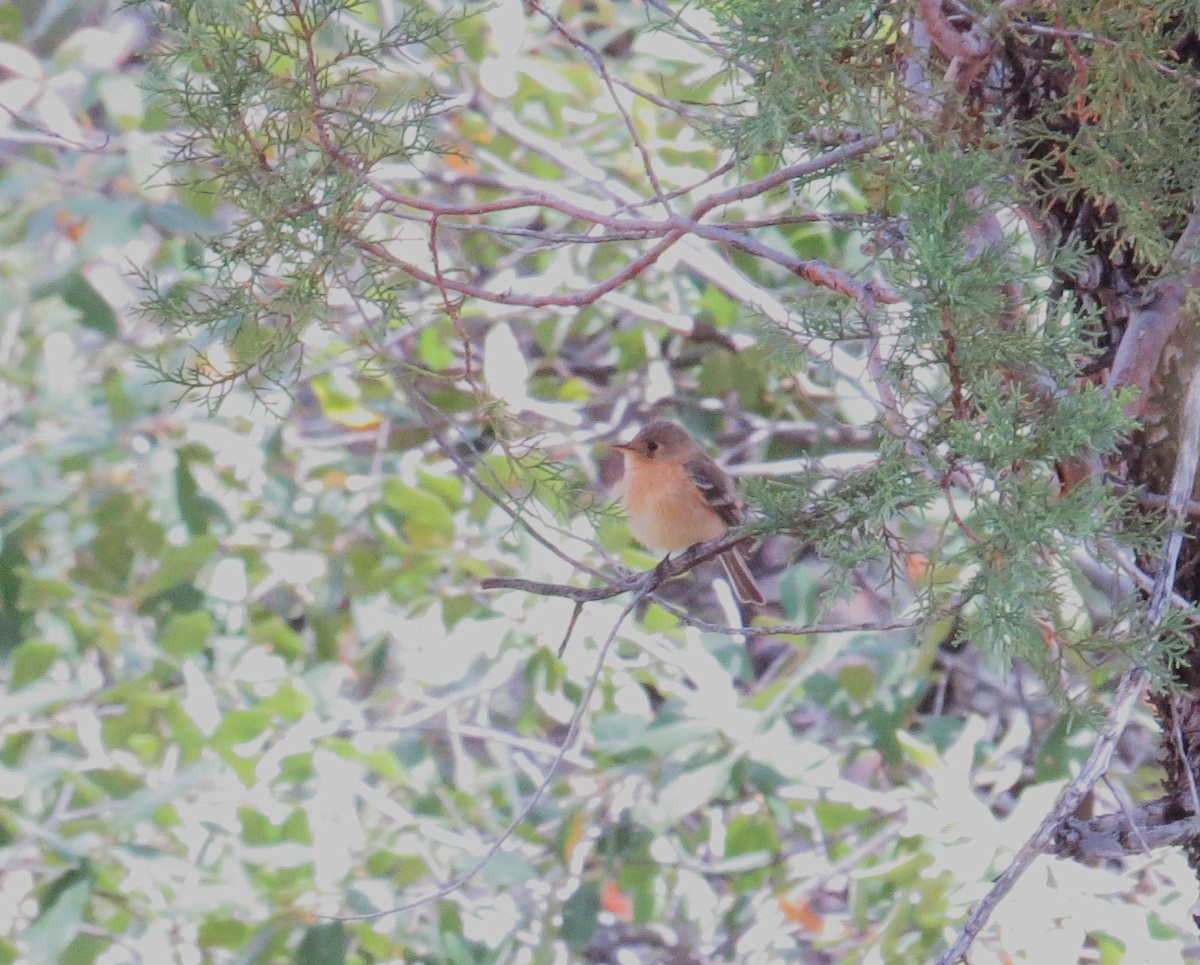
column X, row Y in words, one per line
column 651, row 446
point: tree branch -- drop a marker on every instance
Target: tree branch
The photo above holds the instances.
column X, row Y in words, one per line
column 970, row 44
column 1152, row 324
column 669, row 230
column 1150, row 825
column 645, row 582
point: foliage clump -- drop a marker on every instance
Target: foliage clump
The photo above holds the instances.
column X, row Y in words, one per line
column 287, row 113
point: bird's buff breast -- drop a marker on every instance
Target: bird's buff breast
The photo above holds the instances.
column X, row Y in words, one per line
column 666, row 512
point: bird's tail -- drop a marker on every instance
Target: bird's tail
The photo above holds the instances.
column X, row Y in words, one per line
column 744, row 586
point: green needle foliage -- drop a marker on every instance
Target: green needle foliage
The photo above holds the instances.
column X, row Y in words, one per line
column 286, row 115
column 983, row 363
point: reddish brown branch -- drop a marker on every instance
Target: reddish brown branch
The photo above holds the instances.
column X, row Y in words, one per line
column 810, row 269
column 669, row 230
column 451, row 308
column 574, row 300
column 969, row 43
column 956, row 379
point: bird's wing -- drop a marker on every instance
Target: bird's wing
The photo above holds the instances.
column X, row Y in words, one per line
column 716, row 487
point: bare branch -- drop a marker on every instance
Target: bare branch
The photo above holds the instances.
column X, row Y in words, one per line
column 1147, row 826
column 798, row 629
column 812, row 270
column 670, row 230
column 643, row 582
column 1152, row 324
column 1066, row 35
column 1191, row 507
column 577, row 299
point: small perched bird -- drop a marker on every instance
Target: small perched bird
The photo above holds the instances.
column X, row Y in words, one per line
column 675, row 496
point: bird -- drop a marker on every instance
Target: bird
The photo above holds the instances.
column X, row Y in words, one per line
column 675, row 496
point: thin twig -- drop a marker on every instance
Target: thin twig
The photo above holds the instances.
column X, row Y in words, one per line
column 578, row 609
column 433, row 419
column 1129, row 692
column 669, row 230
column 551, row 772
column 1121, row 796
column 1181, row 749
column 794, row 629
column 1067, row 35
column 596, row 60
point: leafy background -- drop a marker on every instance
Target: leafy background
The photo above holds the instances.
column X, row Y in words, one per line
column 251, row 678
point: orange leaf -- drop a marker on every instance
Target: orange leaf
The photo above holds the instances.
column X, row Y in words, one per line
column 70, row 226
column 917, row 565
column 615, row 901
column 460, row 163
column 799, row 911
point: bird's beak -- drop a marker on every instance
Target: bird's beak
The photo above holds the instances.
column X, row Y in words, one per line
column 622, row 446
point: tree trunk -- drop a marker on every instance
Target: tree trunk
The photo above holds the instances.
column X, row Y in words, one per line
column 1150, row 339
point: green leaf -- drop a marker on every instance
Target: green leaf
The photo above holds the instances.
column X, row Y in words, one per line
column 10, row 23
column 178, row 564
column 61, row 915
column 448, row 488
column 281, row 638
column 924, row 755
column 858, row 680
column 186, row 633
column 897, row 870
column 141, row 805
column 579, row 916
column 240, row 726
column 625, row 733
column 94, row 311
column 748, row 833
column 798, row 594
column 31, row 660
column 432, row 349
column 741, row 373
column 195, row 508
column 288, row 703
column 188, row 737
column 1058, row 752
column 426, row 518
column 223, row 933
column 833, row 816
column 823, row 689
column 506, row 869
column 323, row 944
column 692, row 790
